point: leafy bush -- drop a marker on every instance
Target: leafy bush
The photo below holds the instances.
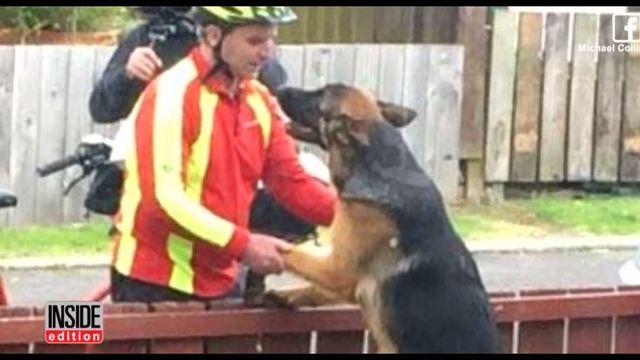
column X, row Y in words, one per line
column 65, row 18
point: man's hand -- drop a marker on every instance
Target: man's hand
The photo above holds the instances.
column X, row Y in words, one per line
column 264, row 254
column 143, row 64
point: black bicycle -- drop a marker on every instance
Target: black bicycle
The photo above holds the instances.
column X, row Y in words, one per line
column 92, row 155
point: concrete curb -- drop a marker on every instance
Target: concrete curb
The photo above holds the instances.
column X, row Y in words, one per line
column 555, row 243
column 55, row 262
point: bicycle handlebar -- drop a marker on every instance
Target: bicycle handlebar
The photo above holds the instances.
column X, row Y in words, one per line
column 58, row 165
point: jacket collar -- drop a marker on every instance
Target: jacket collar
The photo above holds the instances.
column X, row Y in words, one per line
column 219, row 82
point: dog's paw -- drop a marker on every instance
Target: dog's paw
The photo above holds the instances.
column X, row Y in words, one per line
column 278, row 300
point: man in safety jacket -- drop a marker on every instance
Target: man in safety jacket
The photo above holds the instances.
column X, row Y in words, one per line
column 205, row 133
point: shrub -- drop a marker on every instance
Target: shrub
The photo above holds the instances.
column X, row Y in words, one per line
column 65, row 18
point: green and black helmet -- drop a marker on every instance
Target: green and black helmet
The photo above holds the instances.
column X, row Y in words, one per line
column 231, row 16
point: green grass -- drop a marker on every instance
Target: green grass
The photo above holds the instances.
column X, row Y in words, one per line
column 594, row 214
column 469, row 225
column 82, row 239
column 599, row 215
column 513, row 219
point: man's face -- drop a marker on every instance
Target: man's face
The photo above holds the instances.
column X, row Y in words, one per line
column 247, row 48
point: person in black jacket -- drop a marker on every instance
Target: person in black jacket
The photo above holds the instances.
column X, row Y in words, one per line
column 165, row 37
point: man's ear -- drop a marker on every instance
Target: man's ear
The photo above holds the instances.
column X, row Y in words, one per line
column 398, row 116
column 212, row 35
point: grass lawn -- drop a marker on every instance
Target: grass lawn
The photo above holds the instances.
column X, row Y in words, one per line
column 515, row 218
column 79, row 239
column 601, row 215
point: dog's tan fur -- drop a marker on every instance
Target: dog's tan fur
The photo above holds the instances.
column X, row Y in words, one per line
column 361, row 235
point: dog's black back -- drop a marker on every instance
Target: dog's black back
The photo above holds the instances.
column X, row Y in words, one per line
column 435, row 301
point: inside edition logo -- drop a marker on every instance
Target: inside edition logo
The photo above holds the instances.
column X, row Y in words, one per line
column 77, row 322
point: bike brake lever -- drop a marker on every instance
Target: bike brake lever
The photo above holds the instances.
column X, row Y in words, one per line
column 74, row 182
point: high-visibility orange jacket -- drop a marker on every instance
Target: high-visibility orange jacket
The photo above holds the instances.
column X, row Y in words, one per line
column 191, row 176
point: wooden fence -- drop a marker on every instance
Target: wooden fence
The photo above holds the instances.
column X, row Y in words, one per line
column 565, row 321
column 535, row 107
column 44, row 95
column 371, row 24
column 559, row 111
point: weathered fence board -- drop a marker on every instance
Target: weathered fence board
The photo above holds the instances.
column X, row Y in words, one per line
column 316, row 66
column 286, row 343
column 391, row 78
column 590, row 335
column 241, row 344
column 24, row 135
column 627, row 330
column 341, row 64
column 177, row 346
column 630, row 149
column 52, row 127
column 340, row 342
column 541, row 337
column 473, row 36
column 608, row 106
column 316, row 73
column 421, row 134
column 387, row 24
column 362, row 24
column 6, row 107
column 131, row 345
column 582, row 99
column 554, row 98
column 444, row 103
column 7, row 313
column 292, row 59
column 367, row 67
column 501, row 84
column 81, row 67
column 527, row 101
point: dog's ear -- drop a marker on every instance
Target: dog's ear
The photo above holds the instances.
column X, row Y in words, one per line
column 398, row 116
column 359, row 130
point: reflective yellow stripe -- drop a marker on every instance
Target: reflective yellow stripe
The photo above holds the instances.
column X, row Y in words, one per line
column 167, row 155
column 180, row 252
column 130, row 201
column 262, row 114
column 201, row 149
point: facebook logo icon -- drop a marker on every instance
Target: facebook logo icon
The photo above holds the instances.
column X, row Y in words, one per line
column 626, row 28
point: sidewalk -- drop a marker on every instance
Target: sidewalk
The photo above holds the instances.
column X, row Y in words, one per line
column 556, row 242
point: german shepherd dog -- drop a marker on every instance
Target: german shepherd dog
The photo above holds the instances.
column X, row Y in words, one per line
column 393, row 249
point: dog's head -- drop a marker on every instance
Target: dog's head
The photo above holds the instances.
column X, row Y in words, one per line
column 339, row 119
column 337, row 114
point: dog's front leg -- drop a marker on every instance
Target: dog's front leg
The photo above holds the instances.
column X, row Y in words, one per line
column 302, row 295
column 330, row 271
